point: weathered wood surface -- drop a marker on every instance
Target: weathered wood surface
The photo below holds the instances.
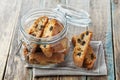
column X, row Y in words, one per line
column 15, row 69
column 9, row 12
column 12, row 68
column 116, row 35
column 100, row 11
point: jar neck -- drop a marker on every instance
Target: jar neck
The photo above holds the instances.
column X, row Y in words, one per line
column 49, row 40
column 32, row 15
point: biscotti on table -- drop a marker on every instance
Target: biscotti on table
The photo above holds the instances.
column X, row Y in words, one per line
column 83, row 54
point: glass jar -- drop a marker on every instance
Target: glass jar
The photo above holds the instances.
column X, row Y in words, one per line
column 59, row 43
column 56, row 46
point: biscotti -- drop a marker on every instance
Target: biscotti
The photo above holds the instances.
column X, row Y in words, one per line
column 53, row 27
column 81, row 46
column 38, row 26
column 90, row 58
column 45, row 28
column 61, row 46
column 40, row 58
column 33, row 47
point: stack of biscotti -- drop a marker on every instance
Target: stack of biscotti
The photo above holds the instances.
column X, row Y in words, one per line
column 45, row 27
column 83, row 54
column 39, row 58
column 53, row 27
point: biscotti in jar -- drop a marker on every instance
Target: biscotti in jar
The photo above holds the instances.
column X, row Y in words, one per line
column 44, row 33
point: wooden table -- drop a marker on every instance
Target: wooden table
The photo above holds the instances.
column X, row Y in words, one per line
column 105, row 15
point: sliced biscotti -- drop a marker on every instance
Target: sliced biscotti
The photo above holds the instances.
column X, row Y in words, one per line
column 53, row 27
column 38, row 26
column 47, row 50
column 33, row 47
column 81, row 46
column 59, row 47
column 90, row 58
column 40, row 58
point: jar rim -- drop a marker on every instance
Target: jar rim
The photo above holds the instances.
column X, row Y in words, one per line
column 41, row 40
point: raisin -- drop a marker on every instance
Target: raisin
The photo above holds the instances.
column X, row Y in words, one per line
column 38, row 49
column 51, row 28
column 35, row 26
column 83, row 43
column 92, row 56
column 78, row 49
column 44, row 46
column 82, row 36
column 79, row 54
column 87, row 32
column 78, row 40
column 40, row 27
column 33, row 34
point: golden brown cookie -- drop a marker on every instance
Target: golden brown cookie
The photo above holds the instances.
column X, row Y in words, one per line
column 81, row 46
column 53, row 27
column 33, row 47
column 38, row 26
column 40, row 58
column 90, row 58
column 61, row 46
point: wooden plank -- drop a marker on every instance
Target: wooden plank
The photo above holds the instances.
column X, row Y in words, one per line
column 15, row 69
column 9, row 11
column 116, row 37
column 50, row 3
column 101, row 26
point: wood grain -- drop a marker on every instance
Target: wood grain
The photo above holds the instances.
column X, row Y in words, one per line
column 15, row 69
column 9, row 12
column 116, row 37
column 100, row 12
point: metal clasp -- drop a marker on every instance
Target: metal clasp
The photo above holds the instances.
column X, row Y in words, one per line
column 78, row 18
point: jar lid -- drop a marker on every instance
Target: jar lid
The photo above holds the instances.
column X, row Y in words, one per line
column 78, row 18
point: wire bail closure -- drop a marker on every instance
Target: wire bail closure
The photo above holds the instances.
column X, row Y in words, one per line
column 78, row 18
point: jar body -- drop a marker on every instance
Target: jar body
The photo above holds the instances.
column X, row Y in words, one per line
column 47, row 50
